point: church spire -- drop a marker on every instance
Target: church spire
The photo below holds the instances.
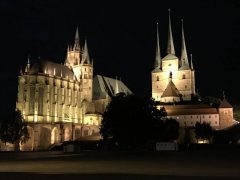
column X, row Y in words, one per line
column 191, row 61
column 170, row 45
column 86, row 58
column 158, row 53
column 27, row 68
column 184, row 57
column 77, row 41
column 116, row 87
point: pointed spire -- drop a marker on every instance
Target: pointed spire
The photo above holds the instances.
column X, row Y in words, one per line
column 184, row 57
column 66, row 58
column 158, row 52
column 92, row 62
column 28, row 62
column 77, row 41
column 224, row 97
column 191, row 61
column 116, row 87
column 27, row 68
column 170, row 45
column 86, row 58
column 77, row 35
column 21, row 71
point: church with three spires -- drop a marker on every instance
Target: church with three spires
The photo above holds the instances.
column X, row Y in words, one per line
column 173, row 87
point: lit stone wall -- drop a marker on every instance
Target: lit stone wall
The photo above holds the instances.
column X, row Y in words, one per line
column 192, row 119
column 226, row 117
column 45, row 98
column 184, row 80
column 55, row 107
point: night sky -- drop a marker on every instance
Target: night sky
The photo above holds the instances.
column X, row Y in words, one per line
column 122, row 38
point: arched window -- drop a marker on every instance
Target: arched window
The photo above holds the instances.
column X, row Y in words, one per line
column 183, row 76
column 157, row 78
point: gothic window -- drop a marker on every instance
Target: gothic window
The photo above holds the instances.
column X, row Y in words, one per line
column 170, row 74
column 157, row 78
column 32, row 97
column 85, row 69
column 185, row 86
column 183, row 76
column 40, row 101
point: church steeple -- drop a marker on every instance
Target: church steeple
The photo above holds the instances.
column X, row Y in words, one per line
column 191, row 62
column 77, row 41
column 158, row 53
column 170, row 45
column 116, row 91
column 27, row 68
column 85, row 56
column 184, row 57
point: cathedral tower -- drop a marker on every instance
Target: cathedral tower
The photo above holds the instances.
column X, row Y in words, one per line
column 172, row 79
column 79, row 61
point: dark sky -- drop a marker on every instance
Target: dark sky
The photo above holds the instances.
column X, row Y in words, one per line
column 121, row 38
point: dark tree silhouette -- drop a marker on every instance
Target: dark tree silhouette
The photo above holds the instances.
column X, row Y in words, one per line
column 13, row 129
column 203, row 131
column 132, row 121
column 212, row 101
column 125, row 120
column 171, row 129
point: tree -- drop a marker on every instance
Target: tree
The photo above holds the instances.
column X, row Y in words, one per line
column 125, row 120
column 132, row 121
column 203, row 131
column 212, row 101
column 13, row 129
column 236, row 112
column 171, row 129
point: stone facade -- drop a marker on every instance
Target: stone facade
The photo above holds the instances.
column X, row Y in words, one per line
column 56, row 99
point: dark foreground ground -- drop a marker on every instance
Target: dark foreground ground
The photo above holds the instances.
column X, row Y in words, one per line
column 217, row 163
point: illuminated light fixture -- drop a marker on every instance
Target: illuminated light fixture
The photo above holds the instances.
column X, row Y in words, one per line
column 54, row 72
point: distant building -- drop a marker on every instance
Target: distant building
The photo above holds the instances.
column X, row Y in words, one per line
column 173, row 86
column 57, row 100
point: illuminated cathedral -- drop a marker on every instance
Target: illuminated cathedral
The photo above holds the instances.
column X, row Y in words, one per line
column 59, row 102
